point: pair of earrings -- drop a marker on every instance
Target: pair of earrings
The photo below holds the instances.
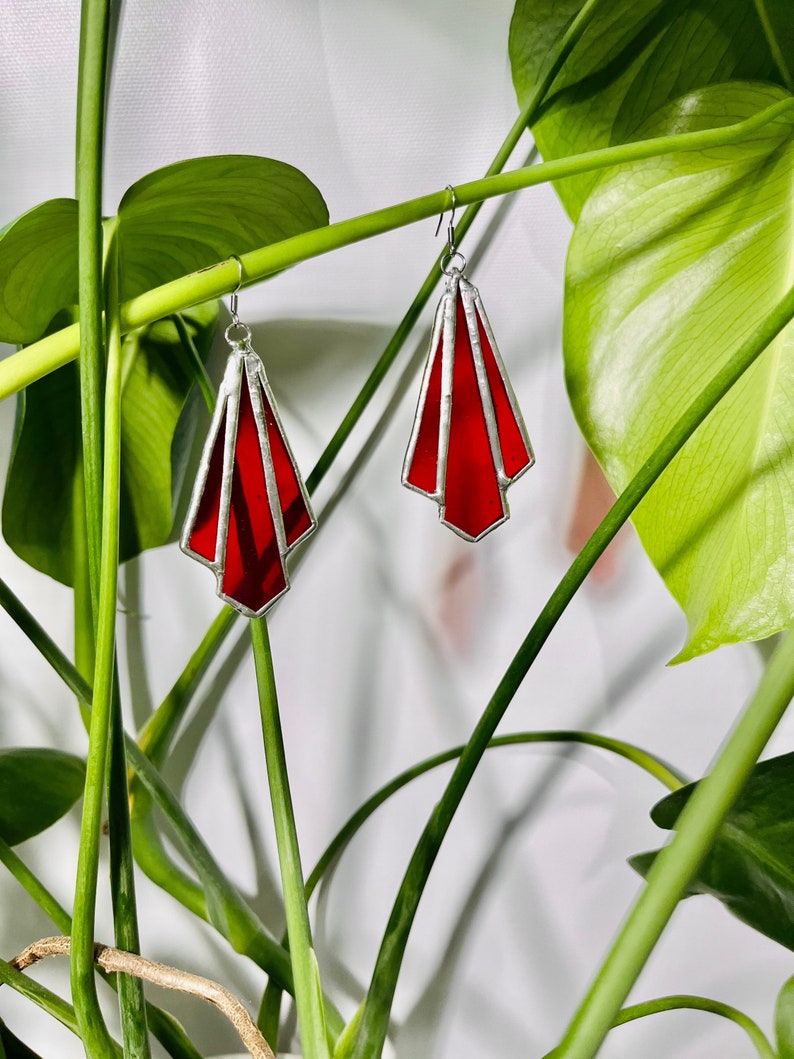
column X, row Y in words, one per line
column 250, row 508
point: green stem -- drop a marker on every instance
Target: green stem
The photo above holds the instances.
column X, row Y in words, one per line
column 676, row 865
column 308, row 996
column 132, row 1005
column 374, row 1023
column 94, row 40
column 42, row 357
column 48, row 1001
column 650, row 764
column 36, row 888
column 200, row 372
column 95, row 1036
column 269, row 1010
column 699, row 1003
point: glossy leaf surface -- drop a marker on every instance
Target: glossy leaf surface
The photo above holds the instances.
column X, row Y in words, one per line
column 751, row 865
column 38, row 505
column 37, row 786
column 673, row 263
column 634, row 57
column 189, row 215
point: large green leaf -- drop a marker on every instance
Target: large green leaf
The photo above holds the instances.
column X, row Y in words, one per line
column 674, row 261
column 38, row 505
column 37, row 786
column 191, row 214
column 634, row 57
column 751, row 866
column 38, row 269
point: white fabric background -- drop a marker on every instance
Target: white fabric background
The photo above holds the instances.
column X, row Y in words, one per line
column 382, row 656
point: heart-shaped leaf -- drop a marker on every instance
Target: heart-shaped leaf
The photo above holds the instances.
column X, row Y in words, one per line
column 634, row 57
column 189, row 215
column 784, row 1021
column 37, row 786
column 751, row 866
column 674, row 261
column 38, row 505
column 38, row 269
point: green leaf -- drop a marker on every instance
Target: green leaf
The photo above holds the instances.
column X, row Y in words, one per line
column 672, row 265
column 751, row 865
column 38, row 509
column 635, row 56
column 11, row 1047
column 38, row 269
column 190, row 215
column 37, row 786
column 784, row 1021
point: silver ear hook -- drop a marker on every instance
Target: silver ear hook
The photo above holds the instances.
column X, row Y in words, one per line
column 452, row 261
column 451, row 225
column 236, row 333
column 236, row 291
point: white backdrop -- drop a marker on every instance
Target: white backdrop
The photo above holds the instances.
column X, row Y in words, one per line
column 395, row 633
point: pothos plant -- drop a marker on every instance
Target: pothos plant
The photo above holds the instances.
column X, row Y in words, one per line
column 666, row 127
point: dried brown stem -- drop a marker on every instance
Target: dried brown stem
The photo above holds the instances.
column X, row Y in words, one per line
column 120, row 962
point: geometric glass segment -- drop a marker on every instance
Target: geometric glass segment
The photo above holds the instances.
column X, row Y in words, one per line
column 468, row 442
column 249, row 506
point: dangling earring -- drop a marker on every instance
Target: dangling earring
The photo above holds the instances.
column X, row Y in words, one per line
column 249, row 506
column 468, row 442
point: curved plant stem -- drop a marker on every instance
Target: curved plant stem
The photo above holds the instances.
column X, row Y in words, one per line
column 308, row 996
column 650, row 764
column 270, row 1007
column 678, row 862
column 94, row 43
column 699, row 1003
column 375, row 1019
column 92, row 1026
column 132, row 1006
column 42, row 357
column 49, row 1002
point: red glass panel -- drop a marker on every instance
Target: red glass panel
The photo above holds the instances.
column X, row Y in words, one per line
column 253, row 571
column 472, row 499
column 424, row 464
column 297, row 519
column 204, row 534
column 515, row 456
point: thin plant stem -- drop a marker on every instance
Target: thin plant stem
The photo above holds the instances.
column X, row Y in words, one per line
column 667, row 776
column 308, row 996
column 48, row 1001
column 92, row 1027
column 269, row 1010
column 375, row 1019
column 51, row 352
column 92, row 77
column 676, row 865
column 132, row 1005
column 698, row 1003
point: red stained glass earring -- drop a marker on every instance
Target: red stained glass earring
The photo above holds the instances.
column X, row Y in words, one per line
column 468, row 442
column 249, row 506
